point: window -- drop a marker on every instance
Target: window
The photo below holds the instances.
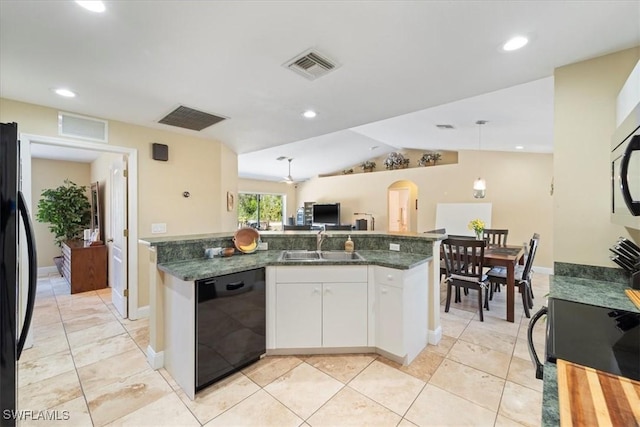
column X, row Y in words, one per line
column 261, row 211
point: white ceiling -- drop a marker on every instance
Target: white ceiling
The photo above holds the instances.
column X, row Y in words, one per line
column 405, row 66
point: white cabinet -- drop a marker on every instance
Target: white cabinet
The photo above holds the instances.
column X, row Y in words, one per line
column 316, row 309
column 298, row 315
column 344, row 314
column 389, row 319
column 320, row 306
column 401, row 313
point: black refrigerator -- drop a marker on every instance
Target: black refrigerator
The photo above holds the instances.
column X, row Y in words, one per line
column 13, row 213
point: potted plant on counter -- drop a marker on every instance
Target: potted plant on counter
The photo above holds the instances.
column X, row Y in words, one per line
column 368, row 166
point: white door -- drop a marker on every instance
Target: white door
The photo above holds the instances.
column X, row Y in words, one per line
column 398, row 209
column 344, row 315
column 118, row 235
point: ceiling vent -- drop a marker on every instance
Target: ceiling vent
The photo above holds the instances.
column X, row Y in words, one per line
column 188, row 118
column 311, row 65
column 445, row 126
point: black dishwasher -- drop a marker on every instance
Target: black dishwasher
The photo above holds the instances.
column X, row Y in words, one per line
column 230, row 324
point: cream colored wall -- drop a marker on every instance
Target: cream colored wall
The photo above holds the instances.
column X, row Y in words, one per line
column 518, row 186
column 194, row 165
column 228, row 183
column 51, row 174
column 585, row 96
column 257, row 186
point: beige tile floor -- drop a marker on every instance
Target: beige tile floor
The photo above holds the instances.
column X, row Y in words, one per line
column 89, row 361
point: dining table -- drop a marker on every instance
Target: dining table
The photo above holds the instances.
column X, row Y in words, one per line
column 506, row 256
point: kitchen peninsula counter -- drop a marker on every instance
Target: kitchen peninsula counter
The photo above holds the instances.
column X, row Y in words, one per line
column 587, row 291
column 202, row 268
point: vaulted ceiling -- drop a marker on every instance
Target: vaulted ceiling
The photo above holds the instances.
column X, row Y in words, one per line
column 402, row 68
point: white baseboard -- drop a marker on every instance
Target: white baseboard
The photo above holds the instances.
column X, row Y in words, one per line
column 143, row 312
column 434, row 337
column 45, row 271
column 542, row 270
column 155, row 360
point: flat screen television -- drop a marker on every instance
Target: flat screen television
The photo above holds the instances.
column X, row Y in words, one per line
column 327, row 213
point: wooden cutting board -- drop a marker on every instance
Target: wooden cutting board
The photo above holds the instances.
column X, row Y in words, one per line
column 634, row 296
column 588, row 397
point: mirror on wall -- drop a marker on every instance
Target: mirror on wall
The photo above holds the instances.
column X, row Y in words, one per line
column 96, row 217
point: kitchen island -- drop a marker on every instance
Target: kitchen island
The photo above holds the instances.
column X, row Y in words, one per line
column 387, row 301
column 594, row 292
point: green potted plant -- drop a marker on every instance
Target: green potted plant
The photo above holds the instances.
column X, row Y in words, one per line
column 368, row 166
column 66, row 209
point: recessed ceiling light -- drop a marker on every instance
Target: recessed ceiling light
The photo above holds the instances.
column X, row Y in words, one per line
column 309, row 114
column 515, row 43
column 92, row 5
column 519, row 147
column 65, row 92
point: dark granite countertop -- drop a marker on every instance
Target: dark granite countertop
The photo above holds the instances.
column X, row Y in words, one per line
column 202, row 268
column 594, row 292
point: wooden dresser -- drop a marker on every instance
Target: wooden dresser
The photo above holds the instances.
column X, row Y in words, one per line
column 84, row 267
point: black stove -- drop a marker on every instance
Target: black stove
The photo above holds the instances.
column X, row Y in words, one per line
column 601, row 338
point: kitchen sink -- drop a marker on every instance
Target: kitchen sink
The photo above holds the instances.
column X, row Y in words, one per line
column 299, row 256
column 319, row 256
column 340, row 256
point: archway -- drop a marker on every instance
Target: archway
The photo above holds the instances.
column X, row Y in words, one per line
column 402, row 204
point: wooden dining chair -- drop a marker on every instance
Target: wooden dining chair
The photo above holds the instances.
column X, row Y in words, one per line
column 463, row 262
column 495, row 236
column 498, row 276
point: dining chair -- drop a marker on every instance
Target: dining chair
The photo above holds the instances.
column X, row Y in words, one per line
column 463, row 262
column 495, row 236
column 498, row 276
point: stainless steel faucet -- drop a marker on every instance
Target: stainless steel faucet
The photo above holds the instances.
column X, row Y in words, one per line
column 320, row 238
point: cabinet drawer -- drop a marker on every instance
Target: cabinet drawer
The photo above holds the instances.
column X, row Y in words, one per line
column 321, row 273
column 389, row 276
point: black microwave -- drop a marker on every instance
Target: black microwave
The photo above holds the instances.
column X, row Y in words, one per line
column 625, row 172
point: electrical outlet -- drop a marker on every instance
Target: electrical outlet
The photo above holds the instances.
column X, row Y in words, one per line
column 263, row 246
column 394, row 246
column 159, row 228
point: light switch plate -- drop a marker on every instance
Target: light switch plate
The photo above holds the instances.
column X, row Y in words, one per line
column 159, row 228
column 394, row 246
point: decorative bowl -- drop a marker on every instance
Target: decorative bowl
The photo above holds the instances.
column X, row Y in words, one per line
column 246, row 240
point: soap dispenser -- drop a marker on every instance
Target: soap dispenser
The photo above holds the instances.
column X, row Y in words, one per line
column 348, row 245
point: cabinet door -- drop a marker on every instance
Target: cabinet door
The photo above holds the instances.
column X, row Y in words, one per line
column 344, row 315
column 298, row 315
column 389, row 324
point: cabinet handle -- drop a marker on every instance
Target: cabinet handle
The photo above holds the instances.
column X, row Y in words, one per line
column 328, row 290
column 390, row 277
column 316, row 290
column 384, row 290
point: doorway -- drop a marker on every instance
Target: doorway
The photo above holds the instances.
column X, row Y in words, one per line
column 402, row 197
column 26, row 141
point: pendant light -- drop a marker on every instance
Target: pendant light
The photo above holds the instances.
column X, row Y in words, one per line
column 479, row 185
